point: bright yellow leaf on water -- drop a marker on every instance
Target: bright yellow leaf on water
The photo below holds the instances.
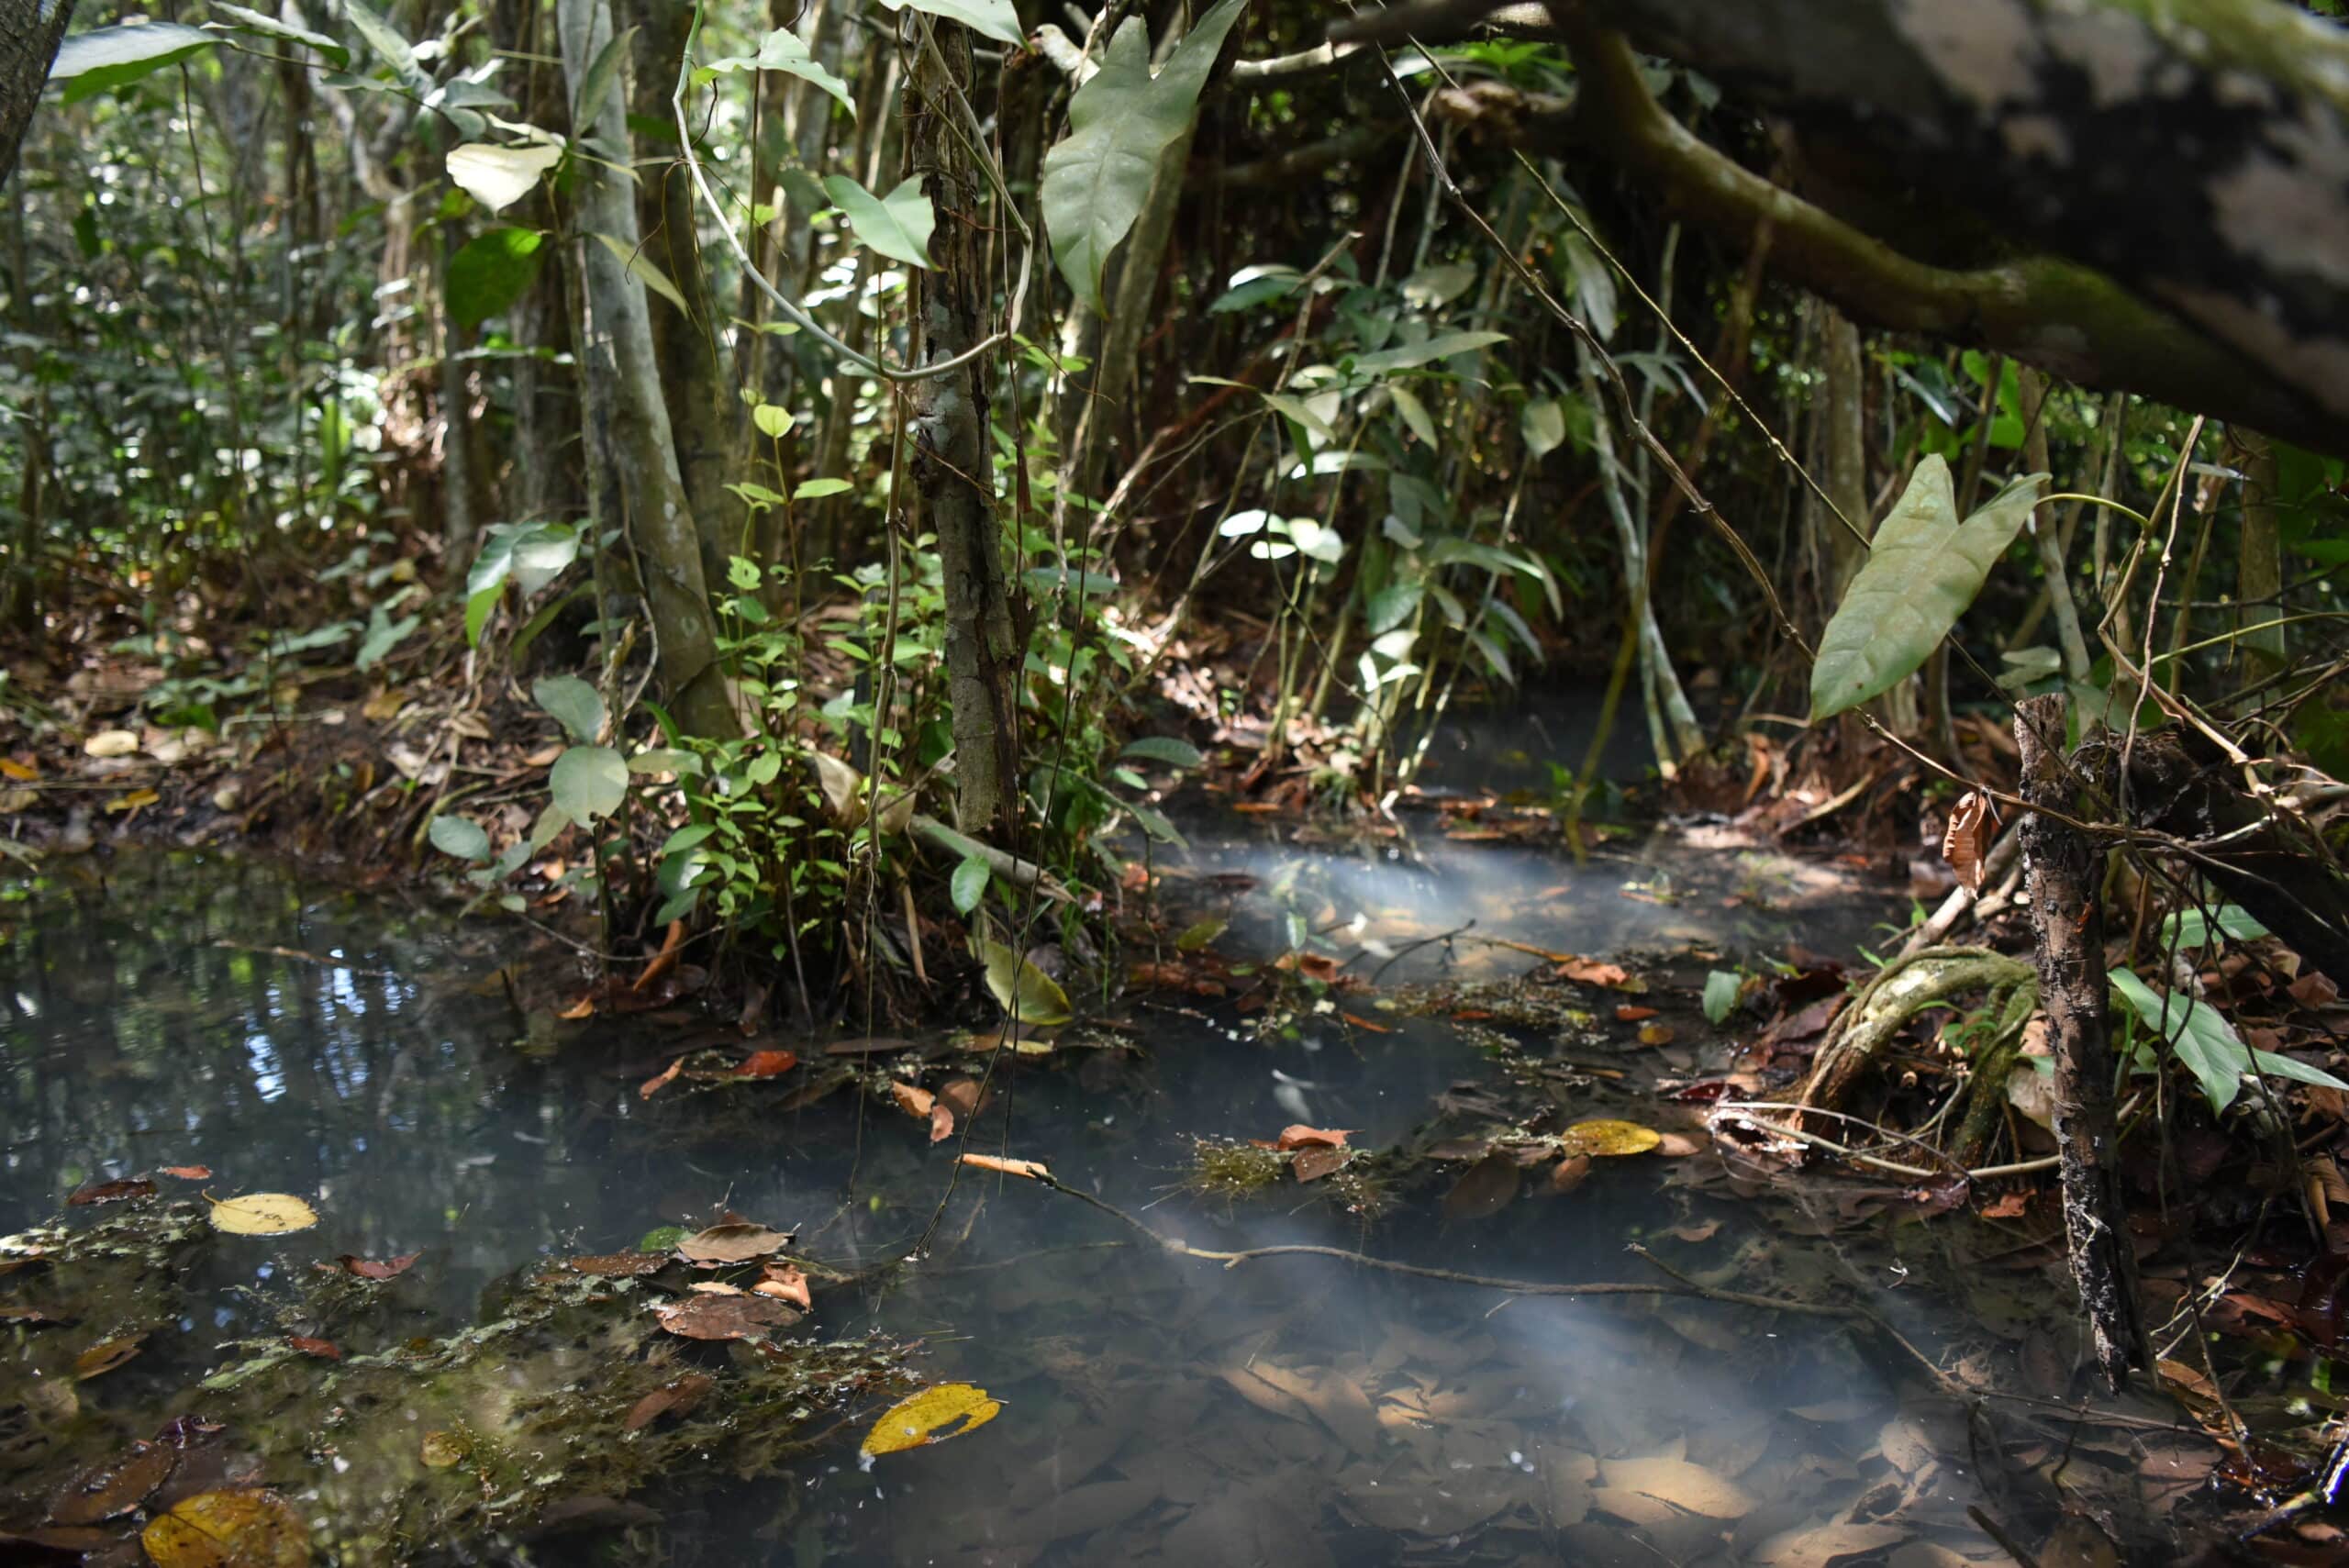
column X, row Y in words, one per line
column 263, row 1214
column 1609, row 1137
column 228, row 1530
column 941, row 1411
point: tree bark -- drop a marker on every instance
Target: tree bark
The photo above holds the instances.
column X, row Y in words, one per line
column 2259, row 569
column 2060, row 876
column 633, row 461
column 2154, row 194
column 954, row 479
column 30, row 31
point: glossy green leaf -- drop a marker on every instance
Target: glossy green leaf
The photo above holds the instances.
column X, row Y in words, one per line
column 1164, row 748
column 995, row 18
column 589, row 782
column 1415, row 415
column 898, row 224
column 1025, row 992
column 574, row 703
column 772, row 421
column 969, row 884
column 1923, row 569
column 1410, row 356
column 492, row 271
column 782, row 50
column 1120, row 123
column 2208, row 1044
column 249, row 21
column 105, row 58
column 2191, row 928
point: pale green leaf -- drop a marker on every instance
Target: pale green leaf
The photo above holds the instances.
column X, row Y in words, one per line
column 491, row 270
column 573, row 703
column 1025, row 992
column 461, row 838
column 969, row 884
column 105, row 58
column 589, row 782
column 644, row 271
column 1164, row 748
column 1410, row 356
column 597, row 85
column 1544, row 425
column 244, row 20
column 1923, row 569
column 497, row 176
column 388, row 46
column 1721, row 988
column 1414, row 412
column 1121, row 124
column 2208, row 1044
column 782, row 50
column 817, row 489
column 772, row 421
column 995, row 18
column 898, row 224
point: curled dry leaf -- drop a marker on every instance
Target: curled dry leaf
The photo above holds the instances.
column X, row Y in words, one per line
column 653, row 1085
column 325, row 1350
column 736, row 1242
column 677, row 1397
column 941, row 1121
column 672, row 943
column 1296, row 1135
column 1591, row 972
column 1031, row 1169
column 386, row 1268
column 189, row 1173
column 715, row 1288
column 724, row 1316
column 111, row 1192
column 1966, row 843
column 586, row 1009
column 941, row 1411
column 785, row 1281
column 228, row 1530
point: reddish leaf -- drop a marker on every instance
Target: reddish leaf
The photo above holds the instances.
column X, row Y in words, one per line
column 1358, row 1022
column 655, row 1086
column 111, row 1192
column 724, row 1316
column 1591, row 972
column 672, row 1398
column 1296, row 1135
column 2010, row 1206
column 1313, row 1164
column 941, row 1121
column 912, row 1098
column 962, row 1095
column 785, row 1281
column 665, row 960
column 389, row 1268
column 583, row 1008
column 621, row 1266
column 189, row 1173
column 325, row 1350
column 1032, row 1170
column 1629, row 1014
column 767, row 1063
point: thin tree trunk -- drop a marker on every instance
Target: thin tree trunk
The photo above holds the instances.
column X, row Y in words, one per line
column 633, row 461
column 456, row 427
column 2259, row 569
column 2059, row 878
column 29, row 33
column 952, row 477
column 2032, row 393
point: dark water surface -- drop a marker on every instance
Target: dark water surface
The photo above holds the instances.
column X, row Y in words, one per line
column 168, row 1010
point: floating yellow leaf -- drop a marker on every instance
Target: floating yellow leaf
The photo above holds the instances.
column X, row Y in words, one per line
column 1609, row 1137
column 263, row 1214
column 941, row 1411
column 228, row 1530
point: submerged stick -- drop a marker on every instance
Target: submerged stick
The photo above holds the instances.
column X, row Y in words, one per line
column 2060, row 888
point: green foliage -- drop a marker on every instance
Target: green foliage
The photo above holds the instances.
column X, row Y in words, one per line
column 492, row 271
column 782, row 50
column 1924, row 567
column 106, row 58
column 991, row 19
column 588, row 782
column 898, row 224
column 2208, row 1044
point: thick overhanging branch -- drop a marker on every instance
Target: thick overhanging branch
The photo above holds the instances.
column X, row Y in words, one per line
column 2067, row 318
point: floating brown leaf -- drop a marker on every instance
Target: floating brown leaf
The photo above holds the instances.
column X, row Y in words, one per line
column 724, row 1316
column 912, row 1098
column 106, row 1355
column 625, row 1265
column 1591, row 972
column 1296, row 1135
column 736, row 1242
column 941, row 1121
column 1032, row 1170
column 653, row 1085
column 189, row 1173
column 961, row 1095
column 111, row 1192
column 677, row 1397
column 325, row 1350
column 1633, row 1015
column 1313, row 1164
column 388, row 1268
column 870, row 1047
column 1484, row 1189
column 785, row 1281
column 115, row 1486
column 228, row 1530
column 767, row 1063
column 586, row 1009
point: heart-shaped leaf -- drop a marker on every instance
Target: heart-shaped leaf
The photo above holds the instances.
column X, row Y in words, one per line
column 898, row 224
column 588, row 782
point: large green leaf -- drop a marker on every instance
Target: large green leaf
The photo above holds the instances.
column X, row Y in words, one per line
column 1025, row 992
column 491, row 270
column 782, row 50
column 575, row 705
column 106, row 58
column 995, row 18
column 1410, row 356
column 588, row 782
column 2208, row 1044
column 1923, row 568
column 497, row 176
column 244, row 20
column 1119, row 124
column 388, row 46
column 602, row 71
column 898, row 224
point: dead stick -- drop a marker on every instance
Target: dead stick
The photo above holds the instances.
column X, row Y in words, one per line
column 2061, row 893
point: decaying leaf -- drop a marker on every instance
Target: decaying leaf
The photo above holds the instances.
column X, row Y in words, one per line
column 672, row 943
column 941, row 1411
column 912, row 1098
column 653, row 1085
column 785, row 1281
column 1313, row 1164
column 767, row 1063
column 106, row 1355
column 115, row 1486
column 325, row 1350
column 1591, row 972
column 1609, row 1137
column 732, row 1243
column 724, row 1316
column 189, row 1173
column 677, row 1397
column 1296, row 1135
column 263, row 1214
column 1824, row 1541
column 228, row 1530
column 1963, row 843
column 619, row 1265
column 441, row 1450
column 1034, row 1170
column 1631, row 1015
column 1022, row 990
column 110, row 1192
column 1680, row 1484
column 379, row 1269
column 1483, row 1190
